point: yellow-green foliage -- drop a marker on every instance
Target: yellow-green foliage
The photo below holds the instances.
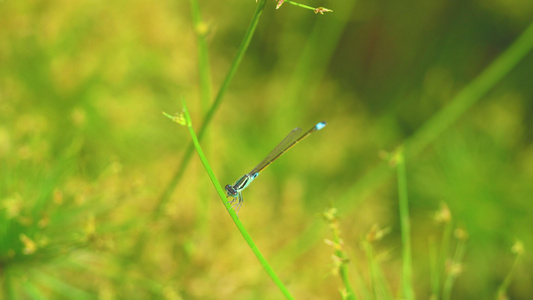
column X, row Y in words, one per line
column 94, row 202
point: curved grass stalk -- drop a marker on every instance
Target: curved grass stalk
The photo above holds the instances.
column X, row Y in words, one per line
column 455, row 267
column 518, row 249
column 317, row 10
column 201, row 30
column 405, row 225
column 230, row 210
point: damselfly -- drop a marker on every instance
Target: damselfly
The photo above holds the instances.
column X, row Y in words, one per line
column 290, row 140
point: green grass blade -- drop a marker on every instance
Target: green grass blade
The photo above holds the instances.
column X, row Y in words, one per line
column 340, row 258
column 317, row 10
column 201, row 29
column 204, row 71
column 407, row 259
column 232, row 213
column 518, row 249
column 434, row 269
column 455, row 267
column 445, row 248
column 373, row 278
column 220, row 95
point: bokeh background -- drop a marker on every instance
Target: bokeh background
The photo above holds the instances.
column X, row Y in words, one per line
column 86, row 155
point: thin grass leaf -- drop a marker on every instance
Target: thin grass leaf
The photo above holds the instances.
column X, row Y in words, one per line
column 455, row 267
column 230, row 210
column 407, row 259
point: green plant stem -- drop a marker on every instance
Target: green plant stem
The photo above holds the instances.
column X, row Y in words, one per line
column 453, row 272
column 167, row 192
column 220, row 95
column 203, row 57
column 407, row 271
column 445, row 248
column 378, row 284
column 343, row 267
column 373, row 278
column 204, row 72
column 345, row 278
column 230, row 210
column 434, row 269
column 502, row 289
column 300, row 5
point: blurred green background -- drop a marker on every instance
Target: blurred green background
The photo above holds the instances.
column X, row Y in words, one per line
column 85, row 154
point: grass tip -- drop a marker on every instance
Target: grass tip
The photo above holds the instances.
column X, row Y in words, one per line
column 29, row 245
column 322, row 10
column 376, row 233
column 177, row 118
column 461, row 234
column 443, row 215
column 518, row 248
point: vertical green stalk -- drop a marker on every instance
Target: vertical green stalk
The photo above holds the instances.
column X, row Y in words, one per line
column 201, row 30
column 379, row 283
column 518, row 249
column 360, row 284
column 373, row 277
column 220, row 95
column 204, row 72
column 346, row 279
column 445, row 247
column 230, row 210
column 167, row 192
column 407, row 273
column 434, row 269
column 439, row 257
column 340, row 257
column 455, row 267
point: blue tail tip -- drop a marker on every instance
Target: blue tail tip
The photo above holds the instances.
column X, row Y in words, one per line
column 320, row 125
